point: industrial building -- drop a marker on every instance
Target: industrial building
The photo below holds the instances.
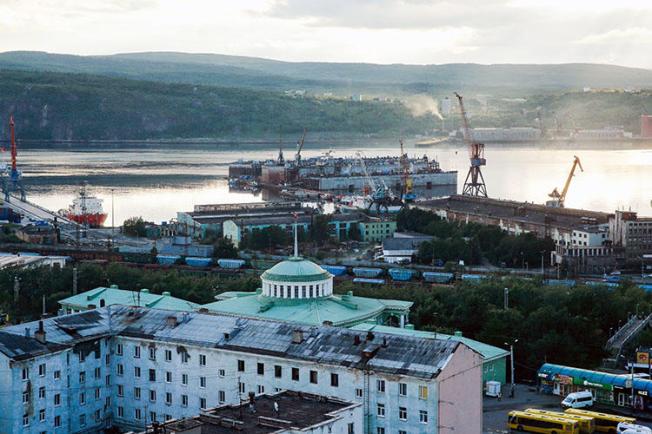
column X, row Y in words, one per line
column 403, row 246
column 31, row 261
column 128, row 366
column 631, row 232
column 284, row 412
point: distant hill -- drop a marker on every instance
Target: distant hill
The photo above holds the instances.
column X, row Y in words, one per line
column 64, row 106
column 343, row 78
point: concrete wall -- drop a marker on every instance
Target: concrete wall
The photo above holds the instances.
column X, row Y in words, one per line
column 461, row 398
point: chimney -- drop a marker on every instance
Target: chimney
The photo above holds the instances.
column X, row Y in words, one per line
column 297, row 336
column 172, row 321
column 327, row 323
column 384, row 342
column 26, row 332
column 370, row 336
column 356, row 340
column 40, row 333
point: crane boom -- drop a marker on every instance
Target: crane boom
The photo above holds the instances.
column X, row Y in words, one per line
column 560, row 198
column 300, row 147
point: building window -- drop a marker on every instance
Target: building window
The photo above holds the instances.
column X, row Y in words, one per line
column 402, row 431
column 402, row 389
column 260, row 368
column 25, row 420
column 185, row 357
column 57, row 375
column 41, row 370
column 261, row 389
column 423, row 416
column 351, row 429
column 202, row 403
column 57, row 421
column 202, row 382
column 380, row 410
column 380, row 430
column 137, row 414
column 313, row 377
column 118, row 349
column 335, row 380
column 41, row 392
column 97, row 393
column 152, row 416
column 241, row 387
column 380, row 386
column 121, row 411
column 120, row 369
column 137, row 371
column 202, row 360
column 152, row 395
column 136, row 392
column 278, row 371
column 25, row 374
column 41, row 415
column 358, row 393
column 184, row 379
column 221, row 396
column 184, row 400
column 241, row 365
column 168, row 398
column 221, row 373
column 152, row 353
column 82, row 377
column 136, row 352
column 295, row 374
column 152, row 375
column 168, row 355
column 82, row 420
column 402, row 413
column 121, row 390
column 168, row 377
column 25, row 397
column 82, row 398
column 423, row 392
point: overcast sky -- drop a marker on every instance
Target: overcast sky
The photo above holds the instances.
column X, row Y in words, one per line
column 379, row 31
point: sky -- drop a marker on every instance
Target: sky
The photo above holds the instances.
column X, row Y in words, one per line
column 376, row 31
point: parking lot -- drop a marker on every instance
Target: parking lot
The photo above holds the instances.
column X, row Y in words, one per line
column 495, row 411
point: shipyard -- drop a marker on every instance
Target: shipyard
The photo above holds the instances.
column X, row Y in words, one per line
column 290, row 217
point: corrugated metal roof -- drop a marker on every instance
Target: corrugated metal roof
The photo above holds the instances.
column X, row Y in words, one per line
column 113, row 296
column 384, row 352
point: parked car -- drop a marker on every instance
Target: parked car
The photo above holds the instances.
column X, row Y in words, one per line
column 631, row 428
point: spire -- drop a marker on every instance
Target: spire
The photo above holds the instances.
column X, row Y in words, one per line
column 296, row 239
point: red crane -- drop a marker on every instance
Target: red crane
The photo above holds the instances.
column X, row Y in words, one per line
column 474, row 184
column 13, row 145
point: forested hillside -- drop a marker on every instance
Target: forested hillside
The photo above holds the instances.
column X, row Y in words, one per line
column 56, row 106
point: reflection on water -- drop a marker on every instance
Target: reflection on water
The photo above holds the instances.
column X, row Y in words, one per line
column 157, row 181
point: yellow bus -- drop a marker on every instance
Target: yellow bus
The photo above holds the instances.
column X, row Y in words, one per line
column 540, row 423
column 587, row 423
column 604, row 422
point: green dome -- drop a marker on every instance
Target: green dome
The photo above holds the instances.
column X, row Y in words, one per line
column 296, row 270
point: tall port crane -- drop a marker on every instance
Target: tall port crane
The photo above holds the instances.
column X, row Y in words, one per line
column 558, row 198
column 406, row 194
column 12, row 178
column 300, row 147
column 474, row 184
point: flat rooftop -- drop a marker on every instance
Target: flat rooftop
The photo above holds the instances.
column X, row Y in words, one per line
column 517, row 211
column 296, row 411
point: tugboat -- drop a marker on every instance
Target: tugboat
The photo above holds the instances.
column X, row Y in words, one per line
column 86, row 210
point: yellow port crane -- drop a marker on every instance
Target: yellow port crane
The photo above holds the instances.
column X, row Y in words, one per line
column 558, row 198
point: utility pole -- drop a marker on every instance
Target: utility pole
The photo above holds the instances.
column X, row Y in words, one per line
column 511, row 359
column 74, row 281
column 112, row 216
column 16, row 289
column 506, row 298
column 543, row 273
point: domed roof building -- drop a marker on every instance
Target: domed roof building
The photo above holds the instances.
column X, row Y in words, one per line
column 298, row 290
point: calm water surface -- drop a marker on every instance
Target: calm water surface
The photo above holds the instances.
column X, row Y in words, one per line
column 157, row 181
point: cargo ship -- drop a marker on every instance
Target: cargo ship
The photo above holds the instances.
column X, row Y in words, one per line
column 347, row 174
column 86, row 210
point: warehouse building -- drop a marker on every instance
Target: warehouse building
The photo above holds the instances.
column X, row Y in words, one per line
column 126, row 367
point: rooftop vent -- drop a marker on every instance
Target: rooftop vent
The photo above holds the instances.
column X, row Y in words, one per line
column 40, row 333
column 172, row 321
column 370, row 336
column 166, row 293
column 297, row 336
column 327, row 323
column 144, row 291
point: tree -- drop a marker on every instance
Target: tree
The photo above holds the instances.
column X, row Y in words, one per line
column 224, row 248
column 319, row 229
column 135, row 227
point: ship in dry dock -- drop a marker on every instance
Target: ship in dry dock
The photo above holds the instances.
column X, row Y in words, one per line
column 346, row 174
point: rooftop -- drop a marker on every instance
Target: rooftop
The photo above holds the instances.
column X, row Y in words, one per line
column 381, row 352
column 404, row 243
column 114, row 295
column 519, row 211
column 340, row 310
column 488, row 352
column 297, row 411
column 296, row 269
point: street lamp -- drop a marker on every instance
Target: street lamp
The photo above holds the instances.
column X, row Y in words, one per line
column 511, row 357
